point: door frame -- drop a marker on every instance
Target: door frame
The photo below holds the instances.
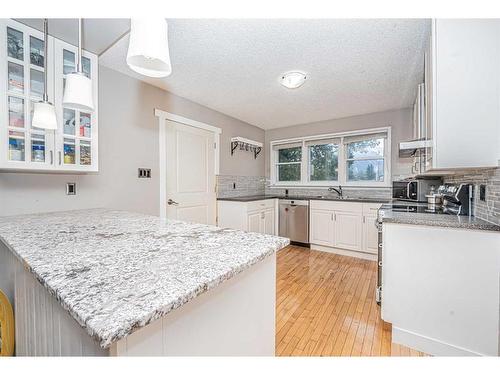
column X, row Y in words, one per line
column 163, row 117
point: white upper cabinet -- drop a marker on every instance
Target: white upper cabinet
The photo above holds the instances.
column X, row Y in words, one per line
column 73, row 147
column 77, row 135
column 463, row 94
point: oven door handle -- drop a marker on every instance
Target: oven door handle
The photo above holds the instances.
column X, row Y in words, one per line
column 408, row 189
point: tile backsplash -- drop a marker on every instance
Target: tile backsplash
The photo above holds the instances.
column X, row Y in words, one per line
column 233, row 186
column 351, row 192
column 489, row 209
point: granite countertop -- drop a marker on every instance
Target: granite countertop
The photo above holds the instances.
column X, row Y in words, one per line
column 251, row 198
column 116, row 271
column 387, row 215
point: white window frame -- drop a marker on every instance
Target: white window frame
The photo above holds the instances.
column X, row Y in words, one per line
column 342, row 162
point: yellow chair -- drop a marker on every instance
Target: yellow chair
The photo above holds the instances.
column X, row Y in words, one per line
column 6, row 327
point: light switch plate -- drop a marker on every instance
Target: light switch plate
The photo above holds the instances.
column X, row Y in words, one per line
column 144, row 173
column 71, row 188
column 482, row 192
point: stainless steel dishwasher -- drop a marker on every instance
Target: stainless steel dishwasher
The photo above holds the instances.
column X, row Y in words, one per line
column 294, row 220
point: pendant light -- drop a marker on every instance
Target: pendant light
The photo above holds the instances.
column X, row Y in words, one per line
column 148, row 47
column 44, row 112
column 78, row 90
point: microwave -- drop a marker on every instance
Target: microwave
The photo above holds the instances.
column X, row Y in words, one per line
column 414, row 190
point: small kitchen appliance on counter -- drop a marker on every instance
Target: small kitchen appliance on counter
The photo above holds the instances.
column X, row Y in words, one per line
column 414, row 189
column 457, row 199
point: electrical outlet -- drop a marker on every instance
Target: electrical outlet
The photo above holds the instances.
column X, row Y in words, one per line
column 144, row 173
column 71, row 188
column 482, row 192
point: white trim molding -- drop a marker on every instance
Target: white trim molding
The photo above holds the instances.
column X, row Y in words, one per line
column 186, row 121
column 342, row 179
column 167, row 116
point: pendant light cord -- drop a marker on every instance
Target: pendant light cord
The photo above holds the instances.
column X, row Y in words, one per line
column 79, row 66
column 45, row 55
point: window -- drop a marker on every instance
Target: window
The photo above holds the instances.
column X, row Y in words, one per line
column 323, row 160
column 365, row 158
column 289, row 163
column 358, row 158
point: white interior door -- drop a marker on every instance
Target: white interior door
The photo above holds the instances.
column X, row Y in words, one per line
column 190, row 175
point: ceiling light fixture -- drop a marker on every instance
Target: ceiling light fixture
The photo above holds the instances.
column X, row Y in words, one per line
column 78, row 89
column 44, row 112
column 148, row 47
column 293, row 80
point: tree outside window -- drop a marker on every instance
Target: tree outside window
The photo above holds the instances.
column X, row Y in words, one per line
column 365, row 160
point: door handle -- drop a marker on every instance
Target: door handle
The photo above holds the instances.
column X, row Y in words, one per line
column 170, row 202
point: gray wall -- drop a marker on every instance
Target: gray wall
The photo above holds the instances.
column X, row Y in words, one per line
column 399, row 120
column 128, row 139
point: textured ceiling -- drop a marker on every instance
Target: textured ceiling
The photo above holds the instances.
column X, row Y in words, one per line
column 233, row 66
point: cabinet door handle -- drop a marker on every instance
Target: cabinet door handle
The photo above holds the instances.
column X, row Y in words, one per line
column 51, row 157
column 332, row 217
column 59, row 156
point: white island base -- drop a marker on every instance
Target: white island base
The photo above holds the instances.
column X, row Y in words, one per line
column 237, row 318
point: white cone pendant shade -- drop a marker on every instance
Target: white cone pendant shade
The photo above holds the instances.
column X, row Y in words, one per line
column 78, row 89
column 78, row 92
column 44, row 116
column 148, row 47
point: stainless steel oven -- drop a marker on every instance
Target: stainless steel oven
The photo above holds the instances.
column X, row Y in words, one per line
column 378, row 291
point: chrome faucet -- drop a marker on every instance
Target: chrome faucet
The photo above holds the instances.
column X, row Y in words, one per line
column 338, row 191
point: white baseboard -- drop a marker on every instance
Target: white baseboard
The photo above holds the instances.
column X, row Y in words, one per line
column 349, row 253
column 429, row 345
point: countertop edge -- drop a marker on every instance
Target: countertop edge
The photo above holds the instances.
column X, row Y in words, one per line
column 480, row 226
column 245, row 199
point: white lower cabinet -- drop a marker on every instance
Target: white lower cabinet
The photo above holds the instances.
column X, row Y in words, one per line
column 255, row 216
column 344, row 227
column 348, row 230
column 321, row 227
column 269, row 221
column 370, row 234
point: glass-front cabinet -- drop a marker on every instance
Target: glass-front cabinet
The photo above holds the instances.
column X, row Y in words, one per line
column 70, row 148
column 76, row 141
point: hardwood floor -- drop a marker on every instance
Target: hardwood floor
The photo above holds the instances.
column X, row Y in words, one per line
column 326, row 307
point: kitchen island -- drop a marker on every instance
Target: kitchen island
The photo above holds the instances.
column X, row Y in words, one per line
column 107, row 282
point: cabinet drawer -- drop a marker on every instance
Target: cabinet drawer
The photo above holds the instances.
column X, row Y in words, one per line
column 259, row 205
column 371, row 208
column 337, row 206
